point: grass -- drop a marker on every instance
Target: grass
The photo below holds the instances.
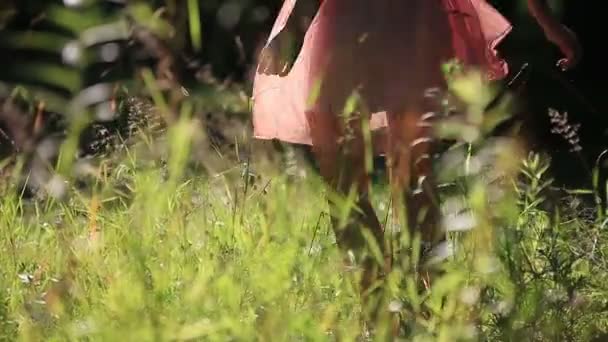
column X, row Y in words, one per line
column 171, row 240
column 177, row 261
column 156, row 250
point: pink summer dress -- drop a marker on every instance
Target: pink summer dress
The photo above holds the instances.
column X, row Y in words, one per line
column 384, row 49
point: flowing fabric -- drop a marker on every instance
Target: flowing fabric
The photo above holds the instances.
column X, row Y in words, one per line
column 384, row 50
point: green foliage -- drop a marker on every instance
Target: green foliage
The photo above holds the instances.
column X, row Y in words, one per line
column 158, row 251
column 143, row 245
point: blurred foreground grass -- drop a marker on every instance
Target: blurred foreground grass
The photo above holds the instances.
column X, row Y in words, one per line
column 171, row 261
column 156, row 250
column 169, row 239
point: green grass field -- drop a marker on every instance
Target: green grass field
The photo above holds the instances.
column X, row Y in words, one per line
column 177, row 237
column 164, row 251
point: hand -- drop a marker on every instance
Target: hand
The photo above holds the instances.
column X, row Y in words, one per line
column 279, row 54
column 569, row 45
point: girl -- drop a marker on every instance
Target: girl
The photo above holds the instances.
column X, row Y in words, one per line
column 366, row 64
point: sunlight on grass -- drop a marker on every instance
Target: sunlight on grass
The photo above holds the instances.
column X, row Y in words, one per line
column 186, row 229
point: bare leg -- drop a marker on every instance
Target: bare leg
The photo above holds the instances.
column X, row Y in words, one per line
column 410, row 171
column 342, row 165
